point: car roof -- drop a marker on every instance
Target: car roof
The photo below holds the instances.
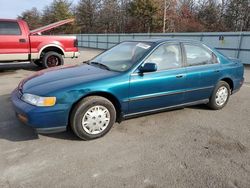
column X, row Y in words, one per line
column 164, row 39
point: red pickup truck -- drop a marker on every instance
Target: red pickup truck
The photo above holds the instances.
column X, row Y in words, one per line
column 18, row 44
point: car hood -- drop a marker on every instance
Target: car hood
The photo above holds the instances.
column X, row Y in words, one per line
column 51, row 80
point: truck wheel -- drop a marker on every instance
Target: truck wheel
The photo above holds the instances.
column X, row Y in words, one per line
column 52, row 59
column 38, row 63
column 92, row 117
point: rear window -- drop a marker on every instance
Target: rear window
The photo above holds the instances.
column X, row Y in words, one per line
column 9, row 28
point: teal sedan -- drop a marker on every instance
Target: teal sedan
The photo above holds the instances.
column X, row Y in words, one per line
column 131, row 79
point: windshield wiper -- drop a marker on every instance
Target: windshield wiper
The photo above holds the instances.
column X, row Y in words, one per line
column 99, row 64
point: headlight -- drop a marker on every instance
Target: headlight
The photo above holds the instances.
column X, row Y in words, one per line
column 38, row 101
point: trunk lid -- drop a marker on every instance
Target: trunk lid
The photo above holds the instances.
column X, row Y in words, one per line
column 235, row 60
column 50, row 26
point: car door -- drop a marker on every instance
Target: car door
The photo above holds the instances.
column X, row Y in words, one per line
column 203, row 72
column 160, row 89
column 14, row 45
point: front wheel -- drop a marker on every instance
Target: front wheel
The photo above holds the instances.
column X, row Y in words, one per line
column 52, row 59
column 92, row 117
column 220, row 96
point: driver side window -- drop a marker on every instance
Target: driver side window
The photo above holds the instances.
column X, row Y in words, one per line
column 166, row 56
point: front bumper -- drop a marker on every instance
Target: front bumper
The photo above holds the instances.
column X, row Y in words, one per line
column 43, row 119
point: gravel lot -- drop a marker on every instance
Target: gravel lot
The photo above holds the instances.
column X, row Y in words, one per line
column 191, row 147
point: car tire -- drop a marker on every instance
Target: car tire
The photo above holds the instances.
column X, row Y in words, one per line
column 52, row 59
column 38, row 62
column 220, row 96
column 92, row 117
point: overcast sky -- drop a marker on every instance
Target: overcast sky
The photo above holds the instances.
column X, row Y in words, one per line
column 13, row 8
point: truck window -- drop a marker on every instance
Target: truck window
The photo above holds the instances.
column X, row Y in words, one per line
column 9, row 28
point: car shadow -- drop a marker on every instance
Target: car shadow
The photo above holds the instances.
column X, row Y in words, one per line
column 10, row 128
column 67, row 135
column 16, row 132
column 11, row 68
column 200, row 107
column 13, row 130
column 247, row 66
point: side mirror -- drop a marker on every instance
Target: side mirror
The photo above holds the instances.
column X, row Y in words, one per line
column 85, row 62
column 148, row 67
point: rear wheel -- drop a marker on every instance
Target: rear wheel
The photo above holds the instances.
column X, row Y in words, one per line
column 52, row 59
column 92, row 117
column 220, row 96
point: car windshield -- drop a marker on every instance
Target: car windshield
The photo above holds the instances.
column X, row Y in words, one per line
column 121, row 57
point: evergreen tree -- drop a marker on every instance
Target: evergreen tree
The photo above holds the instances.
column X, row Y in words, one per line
column 32, row 17
column 86, row 15
column 143, row 12
column 56, row 11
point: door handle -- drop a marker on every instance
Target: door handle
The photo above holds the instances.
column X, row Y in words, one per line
column 22, row 40
column 217, row 71
column 180, row 76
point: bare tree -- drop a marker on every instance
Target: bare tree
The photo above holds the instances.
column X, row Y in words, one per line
column 237, row 15
column 109, row 16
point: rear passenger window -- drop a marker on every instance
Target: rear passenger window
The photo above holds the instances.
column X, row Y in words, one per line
column 9, row 28
column 197, row 55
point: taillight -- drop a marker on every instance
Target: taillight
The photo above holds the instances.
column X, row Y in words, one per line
column 76, row 43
